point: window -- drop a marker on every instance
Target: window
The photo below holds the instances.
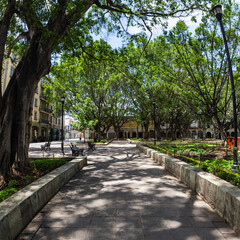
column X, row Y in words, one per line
column 58, row 121
column 35, row 115
column 35, row 102
column 55, row 120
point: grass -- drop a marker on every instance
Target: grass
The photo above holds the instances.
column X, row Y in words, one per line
column 101, row 142
column 48, row 163
column 40, row 168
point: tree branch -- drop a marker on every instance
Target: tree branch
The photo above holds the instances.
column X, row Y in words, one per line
column 21, row 36
column 121, row 8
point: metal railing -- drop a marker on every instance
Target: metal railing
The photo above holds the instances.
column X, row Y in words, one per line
column 45, row 109
column 41, row 120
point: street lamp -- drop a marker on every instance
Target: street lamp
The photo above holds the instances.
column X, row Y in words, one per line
column 217, row 10
column 154, row 109
column 62, row 137
column 49, row 136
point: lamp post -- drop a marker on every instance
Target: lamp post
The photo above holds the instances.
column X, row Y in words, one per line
column 62, row 137
column 154, row 109
column 49, row 136
column 217, row 10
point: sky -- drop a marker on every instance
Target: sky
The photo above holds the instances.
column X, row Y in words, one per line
column 116, row 42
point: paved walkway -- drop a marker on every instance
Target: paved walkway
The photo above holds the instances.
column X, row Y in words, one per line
column 123, row 195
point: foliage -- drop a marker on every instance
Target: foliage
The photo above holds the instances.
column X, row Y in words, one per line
column 12, row 183
column 6, row 193
column 220, row 167
column 95, row 95
column 28, row 179
column 38, row 31
column 200, row 77
column 44, row 165
column 48, row 163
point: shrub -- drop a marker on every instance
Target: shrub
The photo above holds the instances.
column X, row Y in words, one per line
column 12, row 183
column 28, row 179
column 6, row 193
column 48, row 163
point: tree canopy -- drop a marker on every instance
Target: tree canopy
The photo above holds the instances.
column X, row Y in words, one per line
column 39, row 30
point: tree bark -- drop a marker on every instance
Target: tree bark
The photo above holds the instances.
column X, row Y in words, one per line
column 16, row 108
column 4, row 27
column 146, row 134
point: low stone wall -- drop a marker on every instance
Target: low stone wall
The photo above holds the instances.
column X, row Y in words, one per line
column 18, row 210
column 221, row 195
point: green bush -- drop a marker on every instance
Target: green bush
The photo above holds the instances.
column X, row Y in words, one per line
column 28, row 179
column 48, row 163
column 222, row 163
column 6, row 193
column 220, row 167
column 12, row 183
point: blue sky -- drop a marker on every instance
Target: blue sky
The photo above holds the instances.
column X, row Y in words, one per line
column 117, row 42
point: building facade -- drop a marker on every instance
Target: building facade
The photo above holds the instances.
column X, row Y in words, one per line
column 70, row 131
column 45, row 126
column 195, row 131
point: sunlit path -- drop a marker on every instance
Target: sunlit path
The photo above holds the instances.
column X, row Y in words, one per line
column 121, row 194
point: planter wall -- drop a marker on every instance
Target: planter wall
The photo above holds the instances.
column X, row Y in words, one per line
column 18, row 210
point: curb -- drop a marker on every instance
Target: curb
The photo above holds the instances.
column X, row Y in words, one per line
column 220, row 194
column 18, row 210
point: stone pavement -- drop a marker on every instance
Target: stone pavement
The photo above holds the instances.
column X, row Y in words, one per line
column 124, row 195
column 35, row 149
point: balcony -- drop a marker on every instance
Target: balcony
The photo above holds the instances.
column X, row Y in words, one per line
column 41, row 120
column 45, row 109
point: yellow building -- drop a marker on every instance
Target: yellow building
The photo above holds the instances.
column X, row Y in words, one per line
column 43, row 120
column 131, row 129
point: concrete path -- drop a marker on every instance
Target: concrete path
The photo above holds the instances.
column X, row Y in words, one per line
column 123, row 195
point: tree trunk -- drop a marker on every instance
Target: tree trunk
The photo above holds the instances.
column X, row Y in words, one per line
column 146, row 135
column 117, row 131
column 16, row 110
column 223, row 133
column 99, row 134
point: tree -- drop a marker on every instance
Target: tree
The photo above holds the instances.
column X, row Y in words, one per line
column 120, row 106
column 94, row 87
column 201, row 69
column 42, row 29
